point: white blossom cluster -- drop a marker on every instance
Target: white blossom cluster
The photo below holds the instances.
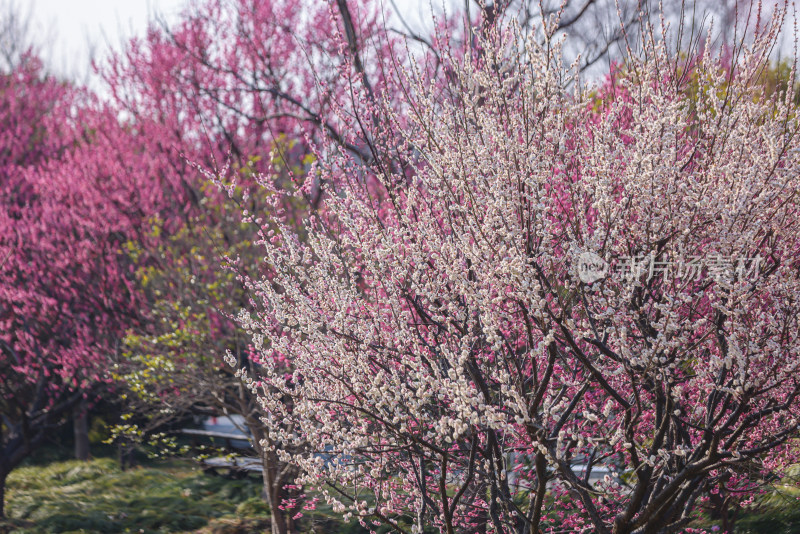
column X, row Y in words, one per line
column 437, row 332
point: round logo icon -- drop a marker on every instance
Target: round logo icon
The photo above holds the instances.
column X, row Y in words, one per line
column 591, row 267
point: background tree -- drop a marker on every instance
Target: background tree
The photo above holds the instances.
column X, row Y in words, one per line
column 70, row 199
column 172, row 365
column 230, row 83
column 16, row 41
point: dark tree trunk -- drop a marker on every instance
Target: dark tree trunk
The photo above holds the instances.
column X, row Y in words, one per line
column 3, row 476
column 125, row 452
column 281, row 520
column 272, row 492
column 482, row 517
column 278, row 517
column 721, row 510
column 80, row 425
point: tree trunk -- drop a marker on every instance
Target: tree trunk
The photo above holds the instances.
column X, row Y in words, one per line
column 80, row 425
column 277, row 516
column 273, row 493
column 3, row 476
column 125, row 452
column 273, row 478
column 280, row 520
column 482, row 516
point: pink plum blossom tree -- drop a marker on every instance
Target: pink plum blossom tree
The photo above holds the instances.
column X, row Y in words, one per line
column 71, row 196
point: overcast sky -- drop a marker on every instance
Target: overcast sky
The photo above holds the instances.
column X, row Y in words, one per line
column 70, row 29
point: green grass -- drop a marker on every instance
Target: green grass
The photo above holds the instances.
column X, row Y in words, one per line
column 776, row 512
column 176, row 496
column 166, row 496
column 97, row 496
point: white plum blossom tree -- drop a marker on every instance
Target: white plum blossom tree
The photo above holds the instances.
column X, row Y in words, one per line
column 450, row 369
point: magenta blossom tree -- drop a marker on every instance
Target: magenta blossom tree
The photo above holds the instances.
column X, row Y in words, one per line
column 542, row 307
column 29, row 314
column 75, row 188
